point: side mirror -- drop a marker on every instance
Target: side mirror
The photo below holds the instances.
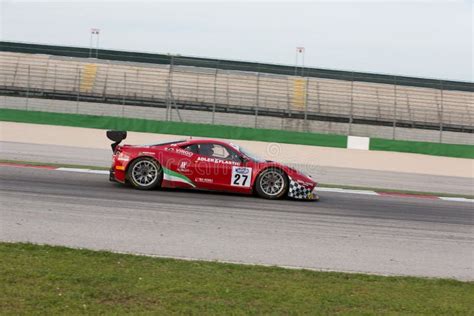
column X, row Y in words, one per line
column 244, row 159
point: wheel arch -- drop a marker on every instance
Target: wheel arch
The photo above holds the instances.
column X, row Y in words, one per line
column 135, row 159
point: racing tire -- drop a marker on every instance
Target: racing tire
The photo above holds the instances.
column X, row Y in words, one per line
column 272, row 184
column 145, row 174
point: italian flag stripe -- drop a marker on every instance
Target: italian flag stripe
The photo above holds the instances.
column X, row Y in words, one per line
column 171, row 175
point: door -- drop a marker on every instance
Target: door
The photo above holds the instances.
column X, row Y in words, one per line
column 219, row 167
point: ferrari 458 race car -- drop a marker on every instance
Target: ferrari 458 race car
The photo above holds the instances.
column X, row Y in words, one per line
column 205, row 164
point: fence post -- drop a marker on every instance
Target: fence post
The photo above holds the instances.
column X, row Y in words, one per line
column 289, row 95
column 78, row 89
column 394, row 107
column 28, row 88
column 105, row 85
column 227, row 88
column 15, row 74
column 168, row 89
column 43, row 81
column 352, row 104
column 318, row 97
column 124, row 92
column 441, row 117
column 379, row 116
column 306, row 102
column 142, row 86
column 258, row 97
column 55, row 75
column 215, row 94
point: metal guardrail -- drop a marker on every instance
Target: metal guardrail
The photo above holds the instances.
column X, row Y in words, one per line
column 177, row 86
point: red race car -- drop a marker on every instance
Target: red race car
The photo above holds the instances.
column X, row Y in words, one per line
column 205, row 164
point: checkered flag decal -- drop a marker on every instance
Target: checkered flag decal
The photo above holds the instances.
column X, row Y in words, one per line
column 298, row 191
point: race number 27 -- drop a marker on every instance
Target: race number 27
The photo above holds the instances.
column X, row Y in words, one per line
column 241, row 176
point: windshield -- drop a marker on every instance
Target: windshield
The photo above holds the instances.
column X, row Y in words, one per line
column 251, row 155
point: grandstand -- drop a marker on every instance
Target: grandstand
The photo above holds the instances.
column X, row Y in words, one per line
column 238, row 93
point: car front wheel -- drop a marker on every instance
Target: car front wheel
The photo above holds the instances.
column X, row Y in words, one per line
column 272, row 184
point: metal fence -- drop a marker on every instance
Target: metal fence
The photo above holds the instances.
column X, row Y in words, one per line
column 184, row 86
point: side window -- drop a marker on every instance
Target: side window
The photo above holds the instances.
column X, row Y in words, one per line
column 220, row 152
column 192, row 148
column 217, row 151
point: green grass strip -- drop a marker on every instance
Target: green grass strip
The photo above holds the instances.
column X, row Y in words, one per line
column 435, row 149
column 176, row 128
column 56, row 280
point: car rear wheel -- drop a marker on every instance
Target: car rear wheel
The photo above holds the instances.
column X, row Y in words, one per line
column 272, row 184
column 145, row 174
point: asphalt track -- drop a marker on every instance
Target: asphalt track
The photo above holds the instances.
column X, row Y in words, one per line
column 324, row 174
column 343, row 232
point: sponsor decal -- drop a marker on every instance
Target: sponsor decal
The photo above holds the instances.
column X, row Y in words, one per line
column 242, row 170
column 219, row 161
column 204, row 180
column 180, row 151
column 123, row 157
column 183, row 165
column 183, row 152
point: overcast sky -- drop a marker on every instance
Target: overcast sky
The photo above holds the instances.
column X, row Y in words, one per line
column 416, row 38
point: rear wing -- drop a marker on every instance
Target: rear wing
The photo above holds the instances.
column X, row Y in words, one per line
column 116, row 137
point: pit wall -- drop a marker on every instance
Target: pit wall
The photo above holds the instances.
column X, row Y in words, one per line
column 123, row 120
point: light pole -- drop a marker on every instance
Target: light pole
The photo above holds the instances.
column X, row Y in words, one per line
column 96, row 32
column 299, row 52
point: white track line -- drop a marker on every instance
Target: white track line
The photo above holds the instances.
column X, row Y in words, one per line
column 339, row 190
column 456, row 199
column 80, row 170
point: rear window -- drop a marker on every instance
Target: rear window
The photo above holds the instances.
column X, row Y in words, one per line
column 192, row 148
